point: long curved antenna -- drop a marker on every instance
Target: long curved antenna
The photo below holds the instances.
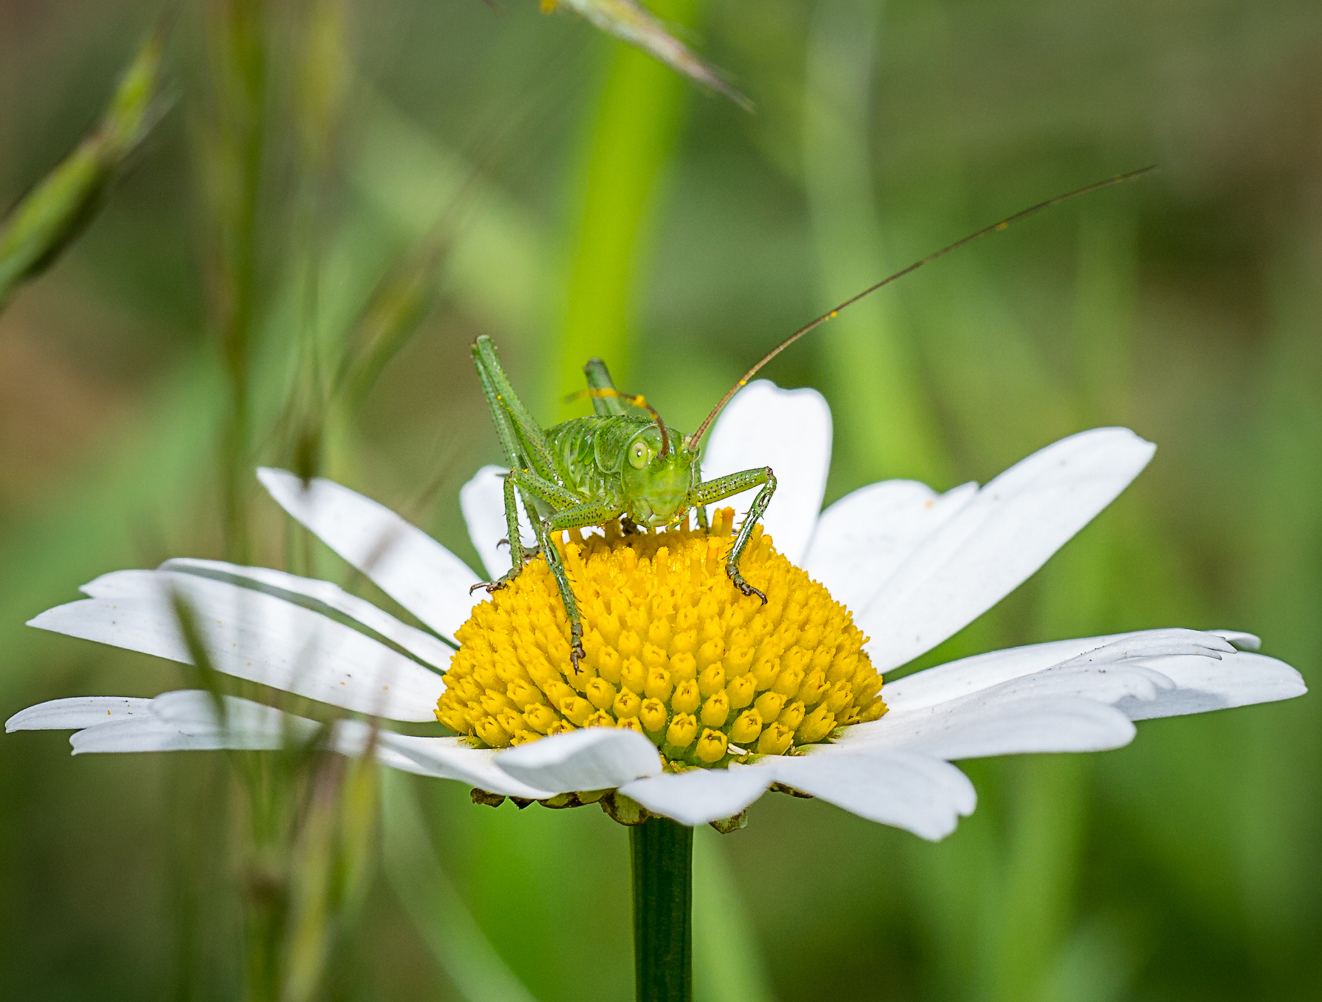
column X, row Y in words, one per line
column 637, row 399
column 692, row 441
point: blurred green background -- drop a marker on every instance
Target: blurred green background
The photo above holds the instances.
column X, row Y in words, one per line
column 341, row 194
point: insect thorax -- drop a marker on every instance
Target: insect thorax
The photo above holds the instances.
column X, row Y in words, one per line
column 593, row 453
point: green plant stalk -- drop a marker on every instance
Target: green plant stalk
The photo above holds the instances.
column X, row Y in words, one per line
column 234, row 162
column 661, row 852
column 629, row 137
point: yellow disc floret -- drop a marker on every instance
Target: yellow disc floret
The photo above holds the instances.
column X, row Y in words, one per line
column 674, row 651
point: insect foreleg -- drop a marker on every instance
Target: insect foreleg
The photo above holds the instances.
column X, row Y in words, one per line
column 700, row 509
column 519, row 554
column 728, row 486
column 570, row 513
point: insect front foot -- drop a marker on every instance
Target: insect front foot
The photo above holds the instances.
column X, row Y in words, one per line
column 576, row 646
column 744, row 586
column 500, row 582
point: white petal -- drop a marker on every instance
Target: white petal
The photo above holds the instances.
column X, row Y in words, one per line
column 403, row 561
column 353, row 738
column 700, row 795
column 864, row 537
column 982, row 671
column 920, row 794
column 482, row 500
column 997, row 540
column 448, row 758
column 147, row 734
column 1105, row 682
column 1203, row 684
column 251, row 635
column 1244, row 641
column 593, row 758
column 974, row 727
column 75, row 712
column 332, row 597
column 186, row 720
column 790, row 431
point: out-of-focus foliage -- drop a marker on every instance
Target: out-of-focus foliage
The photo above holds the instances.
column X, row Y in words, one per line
column 631, row 22
column 63, row 202
column 257, row 288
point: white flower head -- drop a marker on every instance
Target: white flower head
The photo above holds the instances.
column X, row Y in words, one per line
column 911, row 566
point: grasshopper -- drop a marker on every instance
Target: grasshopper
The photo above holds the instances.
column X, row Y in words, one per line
column 614, row 464
column 628, row 463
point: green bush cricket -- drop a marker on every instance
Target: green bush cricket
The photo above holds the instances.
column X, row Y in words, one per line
column 625, row 462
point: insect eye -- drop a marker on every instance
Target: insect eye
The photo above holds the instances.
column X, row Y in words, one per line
column 638, row 455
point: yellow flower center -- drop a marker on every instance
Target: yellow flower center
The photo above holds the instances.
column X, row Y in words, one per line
column 674, row 651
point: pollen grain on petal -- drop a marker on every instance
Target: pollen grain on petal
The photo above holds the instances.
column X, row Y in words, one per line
column 673, row 651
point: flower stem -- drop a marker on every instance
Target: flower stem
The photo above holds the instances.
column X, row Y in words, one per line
column 662, row 855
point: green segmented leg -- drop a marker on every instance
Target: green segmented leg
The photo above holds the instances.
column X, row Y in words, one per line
column 571, row 513
column 728, row 486
column 523, row 441
column 526, row 445
column 701, row 509
column 519, row 555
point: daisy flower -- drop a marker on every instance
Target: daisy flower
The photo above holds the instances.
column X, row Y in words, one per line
column 693, row 700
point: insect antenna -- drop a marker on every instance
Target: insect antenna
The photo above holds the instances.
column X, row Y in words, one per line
column 693, row 440
column 637, row 399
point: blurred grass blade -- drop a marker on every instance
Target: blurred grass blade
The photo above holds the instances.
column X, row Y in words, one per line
column 891, row 431
column 630, row 22
column 324, row 79
column 431, row 901
column 310, row 925
column 231, row 164
column 398, row 305
column 630, row 137
column 359, row 797
column 51, row 215
column 1034, row 899
column 727, row 964
column 331, row 869
column 202, row 672
column 497, row 263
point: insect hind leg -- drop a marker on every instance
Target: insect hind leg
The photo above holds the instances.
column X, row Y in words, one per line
column 599, row 378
